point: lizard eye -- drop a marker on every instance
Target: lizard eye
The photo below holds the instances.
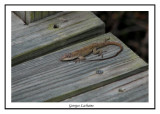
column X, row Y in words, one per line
column 69, row 55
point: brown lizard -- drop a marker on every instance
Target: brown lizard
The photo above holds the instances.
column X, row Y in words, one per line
column 92, row 48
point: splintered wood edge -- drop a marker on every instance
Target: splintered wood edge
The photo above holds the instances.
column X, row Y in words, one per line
column 97, row 85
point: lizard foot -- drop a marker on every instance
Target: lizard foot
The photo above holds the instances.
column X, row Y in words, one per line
column 100, row 54
column 77, row 60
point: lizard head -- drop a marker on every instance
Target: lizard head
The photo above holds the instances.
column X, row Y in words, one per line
column 67, row 57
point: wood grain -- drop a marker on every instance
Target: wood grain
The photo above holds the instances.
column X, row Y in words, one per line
column 46, row 78
column 131, row 89
column 32, row 16
column 41, row 37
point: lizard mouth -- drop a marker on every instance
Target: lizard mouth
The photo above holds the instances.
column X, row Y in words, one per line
column 62, row 59
column 65, row 57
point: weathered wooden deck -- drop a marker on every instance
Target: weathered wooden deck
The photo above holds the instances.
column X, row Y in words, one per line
column 35, row 39
column 124, row 78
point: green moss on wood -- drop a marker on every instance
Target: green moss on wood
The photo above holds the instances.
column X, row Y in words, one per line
column 35, row 52
column 44, row 14
column 50, row 26
column 37, row 15
column 32, row 16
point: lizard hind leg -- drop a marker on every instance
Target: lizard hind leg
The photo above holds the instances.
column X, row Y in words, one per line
column 106, row 40
column 98, row 51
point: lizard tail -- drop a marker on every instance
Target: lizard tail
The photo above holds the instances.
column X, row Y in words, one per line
column 109, row 43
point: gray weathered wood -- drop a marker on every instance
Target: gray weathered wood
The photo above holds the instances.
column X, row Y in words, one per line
column 131, row 89
column 32, row 16
column 18, row 30
column 16, row 22
column 46, row 78
column 40, row 38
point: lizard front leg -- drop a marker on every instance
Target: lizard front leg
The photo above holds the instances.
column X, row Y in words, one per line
column 98, row 51
column 79, row 59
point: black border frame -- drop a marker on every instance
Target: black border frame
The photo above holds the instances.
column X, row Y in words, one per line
column 5, row 5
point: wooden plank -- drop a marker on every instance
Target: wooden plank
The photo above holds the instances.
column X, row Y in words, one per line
column 46, row 78
column 19, row 30
column 138, row 94
column 45, row 13
column 16, row 21
column 32, row 16
column 21, row 15
column 37, row 15
column 44, row 37
column 131, row 89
